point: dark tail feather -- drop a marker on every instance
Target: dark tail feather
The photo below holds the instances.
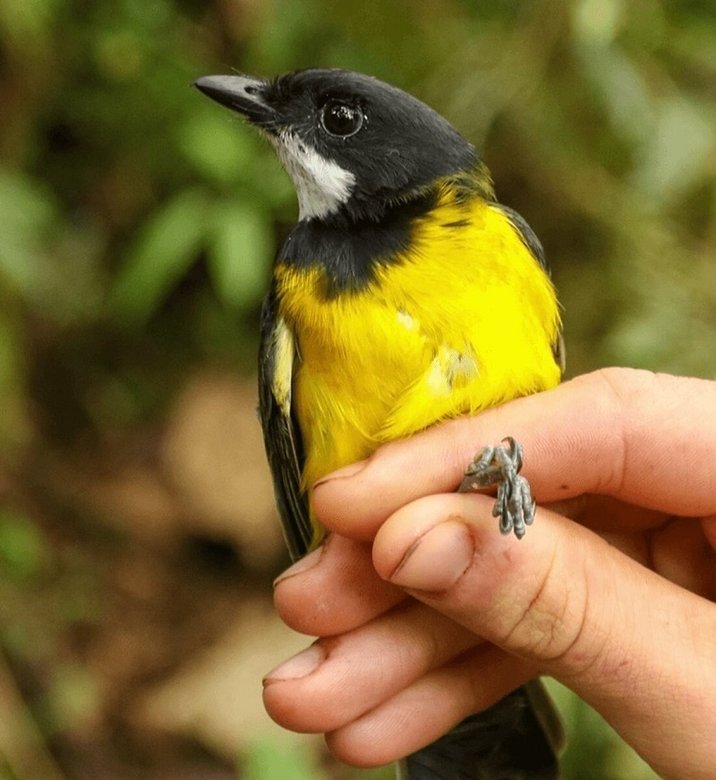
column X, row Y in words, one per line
column 516, row 739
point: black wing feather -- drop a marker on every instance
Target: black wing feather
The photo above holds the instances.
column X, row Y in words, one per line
column 528, row 236
column 530, row 240
column 518, row 738
column 282, row 436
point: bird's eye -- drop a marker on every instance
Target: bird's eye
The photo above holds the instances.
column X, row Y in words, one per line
column 341, row 119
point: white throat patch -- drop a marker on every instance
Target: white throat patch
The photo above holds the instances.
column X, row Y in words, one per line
column 321, row 185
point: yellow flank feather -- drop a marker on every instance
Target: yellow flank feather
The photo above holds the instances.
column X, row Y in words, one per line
column 463, row 321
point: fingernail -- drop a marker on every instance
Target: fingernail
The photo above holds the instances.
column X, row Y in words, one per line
column 437, row 560
column 347, row 471
column 300, row 665
column 302, row 565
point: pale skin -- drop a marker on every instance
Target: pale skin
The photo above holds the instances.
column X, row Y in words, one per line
column 426, row 613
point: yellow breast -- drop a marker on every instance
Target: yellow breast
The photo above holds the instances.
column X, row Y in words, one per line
column 463, row 320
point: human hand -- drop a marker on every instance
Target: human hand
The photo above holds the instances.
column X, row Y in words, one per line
column 618, row 606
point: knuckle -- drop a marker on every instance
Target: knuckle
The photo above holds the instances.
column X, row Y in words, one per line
column 552, row 623
column 622, row 386
column 568, row 634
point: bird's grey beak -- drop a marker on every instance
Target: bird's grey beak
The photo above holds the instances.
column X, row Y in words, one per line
column 240, row 93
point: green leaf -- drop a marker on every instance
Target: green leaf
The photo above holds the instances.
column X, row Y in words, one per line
column 218, row 146
column 72, row 698
column 678, row 150
column 27, row 21
column 15, row 428
column 622, row 89
column 268, row 760
column 240, row 251
column 27, row 213
column 163, row 252
column 22, row 547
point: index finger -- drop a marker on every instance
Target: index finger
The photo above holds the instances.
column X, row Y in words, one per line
column 645, row 438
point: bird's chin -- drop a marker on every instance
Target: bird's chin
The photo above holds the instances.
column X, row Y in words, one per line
column 322, row 186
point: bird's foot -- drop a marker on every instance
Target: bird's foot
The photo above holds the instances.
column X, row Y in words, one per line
column 500, row 466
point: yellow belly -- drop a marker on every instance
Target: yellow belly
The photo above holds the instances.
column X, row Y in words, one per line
column 463, row 322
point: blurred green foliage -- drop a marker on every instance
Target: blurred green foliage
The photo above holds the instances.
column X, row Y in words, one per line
column 268, row 761
column 138, row 221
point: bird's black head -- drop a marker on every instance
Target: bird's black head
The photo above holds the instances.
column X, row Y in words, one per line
column 353, row 145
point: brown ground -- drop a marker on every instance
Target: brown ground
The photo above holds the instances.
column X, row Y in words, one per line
column 138, row 636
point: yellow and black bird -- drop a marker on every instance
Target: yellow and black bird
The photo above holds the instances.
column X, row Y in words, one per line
column 405, row 295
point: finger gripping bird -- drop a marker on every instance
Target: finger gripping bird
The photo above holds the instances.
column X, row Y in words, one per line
column 405, row 295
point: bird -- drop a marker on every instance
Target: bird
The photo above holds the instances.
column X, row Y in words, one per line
column 405, row 295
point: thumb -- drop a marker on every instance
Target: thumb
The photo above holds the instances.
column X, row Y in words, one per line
column 565, row 600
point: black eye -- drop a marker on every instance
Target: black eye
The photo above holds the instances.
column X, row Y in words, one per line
column 341, row 119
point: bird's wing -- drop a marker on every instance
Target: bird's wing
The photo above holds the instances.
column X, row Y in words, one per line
column 530, row 240
column 282, row 437
column 518, row 738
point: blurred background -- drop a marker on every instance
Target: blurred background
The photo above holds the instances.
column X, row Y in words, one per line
column 138, row 220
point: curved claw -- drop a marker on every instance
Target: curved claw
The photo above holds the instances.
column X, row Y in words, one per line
column 514, row 504
column 516, row 452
